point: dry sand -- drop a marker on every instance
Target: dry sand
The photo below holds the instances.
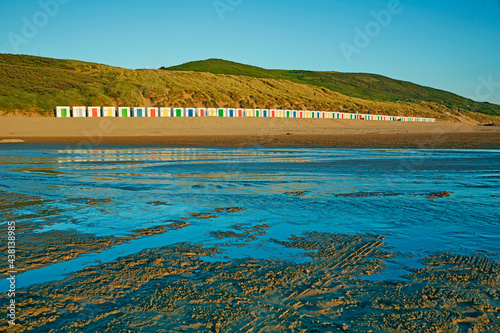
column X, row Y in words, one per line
column 249, row 132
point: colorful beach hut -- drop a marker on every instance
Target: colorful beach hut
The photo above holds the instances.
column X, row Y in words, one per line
column 108, row 111
column 190, row 112
column 178, row 112
column 221, row 112
column 139, row 112
column 63, row 111
column 79, row 111
column 94, row 111
column 152, row 112
column 124, row 111
column 201, row 112
column 164, row 112
column 211, row 112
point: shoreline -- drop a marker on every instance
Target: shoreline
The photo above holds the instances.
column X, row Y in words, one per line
column 249, row 132
column 414, row 141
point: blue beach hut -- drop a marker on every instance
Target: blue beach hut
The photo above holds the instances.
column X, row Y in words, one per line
column 139, row 112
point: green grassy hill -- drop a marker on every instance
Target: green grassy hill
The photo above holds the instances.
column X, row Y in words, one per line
column 366, row 86
column 219, row 66
column 35, row 85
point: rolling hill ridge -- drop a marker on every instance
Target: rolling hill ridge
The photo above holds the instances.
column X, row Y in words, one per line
column 367, row 86
column 35, row 85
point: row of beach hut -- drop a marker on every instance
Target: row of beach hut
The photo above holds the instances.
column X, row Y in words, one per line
column 139, row 112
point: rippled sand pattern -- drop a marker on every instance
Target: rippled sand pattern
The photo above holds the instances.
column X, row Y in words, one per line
column 151, row 239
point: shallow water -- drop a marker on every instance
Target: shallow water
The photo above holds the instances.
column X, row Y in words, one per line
column 395, row 204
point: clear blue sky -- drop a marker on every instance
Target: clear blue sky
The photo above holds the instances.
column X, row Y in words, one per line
column 450, row 45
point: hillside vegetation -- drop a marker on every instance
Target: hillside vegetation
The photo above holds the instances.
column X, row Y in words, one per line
column 366, row 86
column 35, row 85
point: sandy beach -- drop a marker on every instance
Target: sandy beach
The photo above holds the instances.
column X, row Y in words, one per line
column 249, row 132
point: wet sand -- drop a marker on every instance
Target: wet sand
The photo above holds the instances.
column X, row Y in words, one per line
column 249, row 132
column 175, row 289
column 193, row 287
column 172, row 289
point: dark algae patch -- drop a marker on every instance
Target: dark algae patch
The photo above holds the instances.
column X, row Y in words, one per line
column 161, row 229
column 430, row 196
column 215, row 213
column 89, row 201
column 297, row 193
column 435, row 195
column 229, row 209
column 367, row 194
column 247, row 233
